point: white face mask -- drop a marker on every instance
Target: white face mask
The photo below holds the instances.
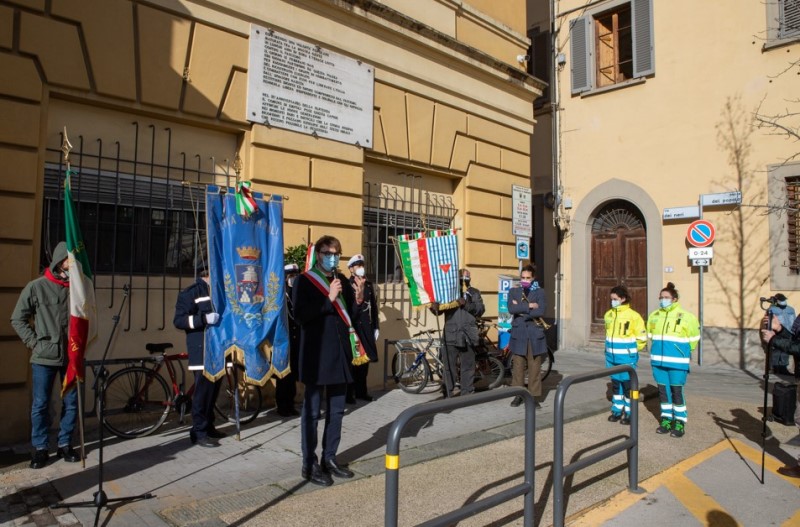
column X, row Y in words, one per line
column 360, row 271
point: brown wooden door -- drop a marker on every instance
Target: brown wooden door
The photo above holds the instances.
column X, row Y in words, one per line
column 619, row 257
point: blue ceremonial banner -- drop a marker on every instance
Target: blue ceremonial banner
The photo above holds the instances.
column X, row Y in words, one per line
column 245, row 255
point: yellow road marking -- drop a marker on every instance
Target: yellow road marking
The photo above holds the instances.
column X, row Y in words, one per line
column 694, row 498
column 613, row 506
column 793, row 521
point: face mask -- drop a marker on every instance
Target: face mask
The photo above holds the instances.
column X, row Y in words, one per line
column 781, row 304
column 616, row 303
column 329, row 262
column 360, row 271
column 465, row 281
column 665, row 302
column 525, row 284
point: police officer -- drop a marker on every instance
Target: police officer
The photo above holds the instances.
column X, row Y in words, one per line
column 366, row 326
column 194, row 312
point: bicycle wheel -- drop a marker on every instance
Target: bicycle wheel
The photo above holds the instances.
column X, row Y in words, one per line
column 137, row 401
column 249, row 398
column 409, row 372
column 547, row 363
column 488, row 372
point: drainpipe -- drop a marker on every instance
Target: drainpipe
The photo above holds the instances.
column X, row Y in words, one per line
column 555, row 153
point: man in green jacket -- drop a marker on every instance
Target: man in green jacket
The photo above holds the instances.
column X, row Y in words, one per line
column 41, row 319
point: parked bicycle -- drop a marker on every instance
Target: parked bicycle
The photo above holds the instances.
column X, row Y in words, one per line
column 418, row 361
column 138, row 398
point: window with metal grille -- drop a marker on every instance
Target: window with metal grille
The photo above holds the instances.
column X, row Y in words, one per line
column 793, row 221
column 390, row 211
column 789, row 18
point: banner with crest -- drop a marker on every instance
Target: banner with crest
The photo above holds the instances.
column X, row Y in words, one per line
column 245, row 254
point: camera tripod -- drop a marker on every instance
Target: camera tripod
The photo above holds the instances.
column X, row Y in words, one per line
column 100, row 498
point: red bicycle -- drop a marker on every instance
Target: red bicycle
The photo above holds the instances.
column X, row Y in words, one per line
column 138, row 398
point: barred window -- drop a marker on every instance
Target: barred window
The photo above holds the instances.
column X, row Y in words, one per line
column 793, row 219
column 391, row 211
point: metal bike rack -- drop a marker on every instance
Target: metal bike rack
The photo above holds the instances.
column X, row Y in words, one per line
column 630, row 445
column 445, row 405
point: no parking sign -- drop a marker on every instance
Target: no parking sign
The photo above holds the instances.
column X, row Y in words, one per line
column 701, row 233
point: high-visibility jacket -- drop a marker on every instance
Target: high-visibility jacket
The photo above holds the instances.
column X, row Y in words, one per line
column 625, row 335
column 674, row 334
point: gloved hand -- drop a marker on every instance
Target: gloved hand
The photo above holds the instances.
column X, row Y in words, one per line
column 212, row 318
column 377, row 332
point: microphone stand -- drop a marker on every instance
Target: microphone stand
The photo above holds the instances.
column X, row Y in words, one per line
column 100, row 499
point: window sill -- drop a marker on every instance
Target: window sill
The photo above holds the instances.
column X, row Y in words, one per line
column 779, row 43
column 618, row 86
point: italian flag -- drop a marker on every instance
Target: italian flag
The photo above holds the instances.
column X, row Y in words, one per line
column 311, row 257
column 82, row 306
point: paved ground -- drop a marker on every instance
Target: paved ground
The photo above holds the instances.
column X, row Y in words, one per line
column 446, row 461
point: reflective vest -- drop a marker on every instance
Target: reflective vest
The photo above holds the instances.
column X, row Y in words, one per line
column 674, row 334
column 625, row 335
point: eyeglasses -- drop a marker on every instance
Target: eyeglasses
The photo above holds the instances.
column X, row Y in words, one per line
column 329, row 253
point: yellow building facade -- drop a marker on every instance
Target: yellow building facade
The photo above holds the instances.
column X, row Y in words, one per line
column 153, row 96
column 652, row 108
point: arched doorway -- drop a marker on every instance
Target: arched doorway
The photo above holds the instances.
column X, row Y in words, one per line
column 619, row 257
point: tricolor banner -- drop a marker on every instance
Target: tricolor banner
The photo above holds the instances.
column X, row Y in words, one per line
column 430, row 266
column 82, row 305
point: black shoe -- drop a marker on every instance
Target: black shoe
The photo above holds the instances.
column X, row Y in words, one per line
column 315, row 475
column 39, row 458
column 366, row 397
column 287, row 412
column 613, row 418
column 350, row 400
column 68, row 454
column 205, row 442
column 516, row 402
column 339, row 471
column 625, row 420
column 216, row 434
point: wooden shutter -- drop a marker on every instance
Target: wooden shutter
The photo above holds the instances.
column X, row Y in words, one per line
column 643, row 53
column 580, row 54
column 789, row 18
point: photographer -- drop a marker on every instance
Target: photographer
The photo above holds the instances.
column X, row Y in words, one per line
column 781, row 339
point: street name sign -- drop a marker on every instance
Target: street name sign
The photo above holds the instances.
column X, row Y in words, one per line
column 723, row 198
column 676, row 213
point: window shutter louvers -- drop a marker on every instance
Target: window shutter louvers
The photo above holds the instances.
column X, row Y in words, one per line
column 643, row 52
column 789, row 18
column 579, row 54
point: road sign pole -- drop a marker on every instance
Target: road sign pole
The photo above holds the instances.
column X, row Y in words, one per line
column 700, row 303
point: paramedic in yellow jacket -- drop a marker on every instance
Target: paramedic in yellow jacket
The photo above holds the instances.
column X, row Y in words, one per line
column 625, row 336
column 674, row 334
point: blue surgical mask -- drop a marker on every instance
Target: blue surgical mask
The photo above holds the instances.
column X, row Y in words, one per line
column 665, row 302
column 616, row 303
column 782, row 304
column 329, row 262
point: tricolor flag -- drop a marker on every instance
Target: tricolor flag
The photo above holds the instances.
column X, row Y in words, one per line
column 82, row 306
column 311, row 257
column 430, row 266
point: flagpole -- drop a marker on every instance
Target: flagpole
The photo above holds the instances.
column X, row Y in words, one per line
column 66, row 147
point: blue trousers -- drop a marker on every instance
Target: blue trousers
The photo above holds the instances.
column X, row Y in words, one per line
column 309, row 419
column 43, row 379
column 670, row 390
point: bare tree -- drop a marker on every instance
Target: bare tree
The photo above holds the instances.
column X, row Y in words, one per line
column 740, row 277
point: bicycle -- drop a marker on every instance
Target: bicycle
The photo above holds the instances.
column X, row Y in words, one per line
column 417, row 361
column 138, row 399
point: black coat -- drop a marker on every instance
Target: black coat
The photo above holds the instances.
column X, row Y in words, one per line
column 190, row 309
column 325, row 351
column 460, row 322
column 366, row 322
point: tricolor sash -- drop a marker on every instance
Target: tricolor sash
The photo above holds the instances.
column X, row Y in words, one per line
column 321, row 282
